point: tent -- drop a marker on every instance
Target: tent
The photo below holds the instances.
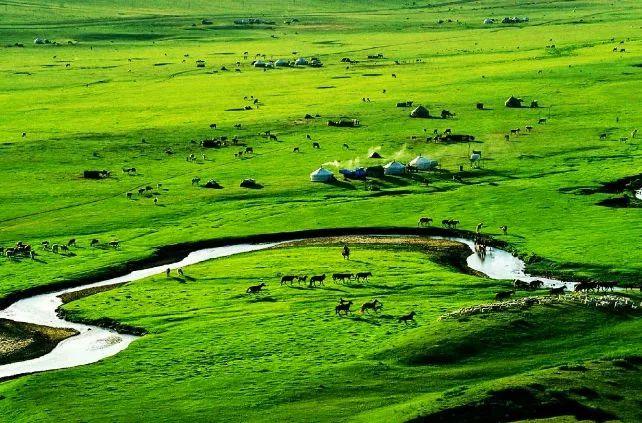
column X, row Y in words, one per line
column 420, row 112
column 321, row 175
column 394, row 168
column 281, row 63
column 422, row 163
column 375, row 155
column 358, row 173
column 513, row 102
column 301, row 62
column 489, row 21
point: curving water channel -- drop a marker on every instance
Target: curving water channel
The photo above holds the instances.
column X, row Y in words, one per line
column 94, row 343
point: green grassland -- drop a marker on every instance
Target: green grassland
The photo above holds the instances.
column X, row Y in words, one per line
column 213, row 352
column 132, row 75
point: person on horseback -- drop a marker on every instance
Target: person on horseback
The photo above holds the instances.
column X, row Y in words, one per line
column 346, row 252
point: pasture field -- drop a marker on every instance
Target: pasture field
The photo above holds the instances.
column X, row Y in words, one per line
column 122, row 87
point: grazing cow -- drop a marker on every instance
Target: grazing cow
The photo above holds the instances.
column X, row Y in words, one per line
column 541, row 120
column 287, row 278
column 363, row 275
column 408, row 317
column 149, row 188
column 255, row 289
column 196, row 181
column 375, row 305
column 504, row 229
column 504, row 295
column 249, row 150
column 480, row 106
column 517, row 283
column 445, row 114
column 507, row 137
column 424, row 221
column 213, row 125
column 45, row 245
column 514, row 131
column 129, row 195
column 71, row 242
column 585, row 286
column 308, row 137
column 273, row 137
column 342, row 276
column 317, row 278
column 529, row 128
column 114, row 244
column 316, row 145
column 10, row 252
column 602, row 136
column 155, row 200
column 64, row 248
column 295, row 150
column 237, row 125
column 94, row 242
column 606, row 285
column 346, row 147
column 55, row 248
column 557, row 291
column 141, row 191
column 343, row 307
column 301, row 278
column 346, row 252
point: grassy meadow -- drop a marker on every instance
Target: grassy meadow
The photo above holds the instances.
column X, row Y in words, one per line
column 122, row 87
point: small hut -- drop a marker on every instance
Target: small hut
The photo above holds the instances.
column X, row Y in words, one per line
column 281, row 63
column 394, row 168
column 300, row 62
column 513, row 102
column 321, row 175
column 420, row 112
column 375, row 155
column 423, row 163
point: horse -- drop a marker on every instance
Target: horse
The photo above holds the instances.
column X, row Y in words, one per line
column 371, row 305
column 343, row 306
column 424, row 221
column 317, row 278
column 536, row 284
column 504, row 295
column 71, row 242
column 255, row 289
column 287, row 278
column 557, row 291
column 408, row 317
column 346, row 253
column 94, row 242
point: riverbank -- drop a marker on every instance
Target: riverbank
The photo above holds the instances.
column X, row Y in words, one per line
column 23, row 341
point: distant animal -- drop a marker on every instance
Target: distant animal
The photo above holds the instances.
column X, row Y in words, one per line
column 394, row 75
column 507, row 137
column 141, row 191
column 634, row 133
column 371, row 305
column 302, row 278
column 363, row 275
column 71, row 242
column 317, row 278
column 410, row 317
column 537, row 284
column 213, row 125
column 445, row 114
column 287, row 278
column 424, row 221
column 249, row 150
column 180, row 272
column 602, row 136
column 504, row 229
column 24, row 134
column 196, row 181
column 557, row 291
column 346, row 147
column 114, row 244
column 167, row 271
column 480, row 106
column 504, row 295
column 155, row 200
column 295, row 150
column 316, row 145
column 343, row 307
column 529, row 128
column 94, row 242
column 273, row 137
column 237, row 125
column 308, row 136
column 255, row 289
column 129, row 195
column 342, row 276
column 479, row 227
column 541, row 120
column 624, row 139
column 514, row 131
column 64, row 248
column 517, row 283
column 55, row 248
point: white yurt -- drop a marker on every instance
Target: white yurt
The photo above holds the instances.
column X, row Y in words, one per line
column 281, row 63
column 394, row 168
column 301, row 62
column 489, row 21
column 423, row 163
column 259, row 64
column 321, row 175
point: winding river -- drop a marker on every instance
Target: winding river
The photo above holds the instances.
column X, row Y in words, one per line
column 94, row 343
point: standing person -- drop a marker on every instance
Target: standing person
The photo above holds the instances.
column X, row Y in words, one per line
column 346, row 252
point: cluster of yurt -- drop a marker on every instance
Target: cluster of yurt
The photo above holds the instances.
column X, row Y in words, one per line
column 322, row 175
column 423, row 163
